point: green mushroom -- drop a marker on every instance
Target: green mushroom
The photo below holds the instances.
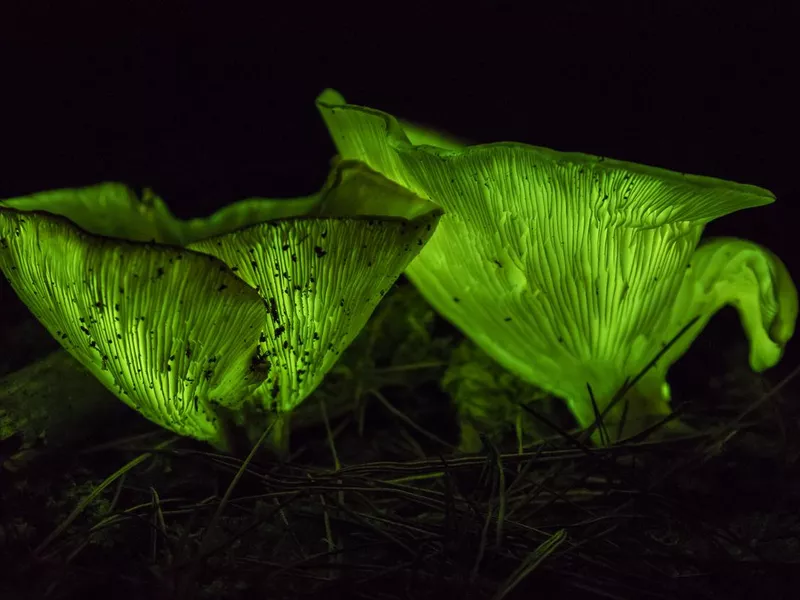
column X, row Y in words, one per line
column 729, row 272
column 195, row 323
column 574, row 271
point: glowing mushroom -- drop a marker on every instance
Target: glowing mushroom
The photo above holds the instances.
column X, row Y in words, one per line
column 187, row 322
column 573, row 271
column 321, row 275
column 169, row 331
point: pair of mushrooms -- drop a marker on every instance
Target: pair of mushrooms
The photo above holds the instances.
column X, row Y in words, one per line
column 572, row 271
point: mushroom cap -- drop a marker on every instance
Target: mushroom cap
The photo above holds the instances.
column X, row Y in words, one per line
column 182, row 318
column 742, row 274
column 108, row 209
column 171, row 332
column 559, row 265
column 321, row 276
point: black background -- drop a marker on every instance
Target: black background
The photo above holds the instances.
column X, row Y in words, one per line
column 209, row 103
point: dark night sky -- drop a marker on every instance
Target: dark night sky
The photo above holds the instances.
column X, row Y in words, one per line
column 208, row 106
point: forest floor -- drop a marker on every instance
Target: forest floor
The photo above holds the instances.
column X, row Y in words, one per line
column 376, row 500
